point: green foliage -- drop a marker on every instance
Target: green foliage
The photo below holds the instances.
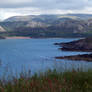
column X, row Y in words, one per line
column 51, row 81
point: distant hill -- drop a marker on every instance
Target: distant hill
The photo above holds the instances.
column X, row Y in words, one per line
column 66, row 25
column 42, row 18
column 81, row 16
column 47, row 17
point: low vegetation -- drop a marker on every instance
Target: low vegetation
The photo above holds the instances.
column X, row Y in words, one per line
column 51, row 81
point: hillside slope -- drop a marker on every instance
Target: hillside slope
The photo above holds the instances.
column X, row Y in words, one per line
column 70, row 25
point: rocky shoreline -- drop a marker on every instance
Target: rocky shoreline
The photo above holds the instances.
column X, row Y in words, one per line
column 84, row 57
column 79, row 45
column 83, row 45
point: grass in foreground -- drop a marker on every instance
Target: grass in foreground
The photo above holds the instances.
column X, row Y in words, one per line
column 51, row 81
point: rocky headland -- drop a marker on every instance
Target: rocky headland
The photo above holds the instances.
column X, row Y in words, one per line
column 84, row 45
column 84, row 57
column 79, row 45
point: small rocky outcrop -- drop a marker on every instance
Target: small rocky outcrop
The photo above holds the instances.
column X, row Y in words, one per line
column 79, row 45
column 84, row 57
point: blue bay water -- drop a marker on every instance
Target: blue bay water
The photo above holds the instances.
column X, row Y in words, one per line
column 36, row 54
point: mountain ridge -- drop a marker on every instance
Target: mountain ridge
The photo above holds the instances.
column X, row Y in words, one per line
column 68, row 25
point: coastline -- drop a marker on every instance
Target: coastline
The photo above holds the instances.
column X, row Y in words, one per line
column 23, row 37
column 28, row 37
column 83, row 57
column 20, row 37
column 82, row 45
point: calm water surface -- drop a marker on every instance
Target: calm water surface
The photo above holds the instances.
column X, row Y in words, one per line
column 35, row 54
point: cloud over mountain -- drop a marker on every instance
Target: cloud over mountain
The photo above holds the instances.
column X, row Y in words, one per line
column 21, row 7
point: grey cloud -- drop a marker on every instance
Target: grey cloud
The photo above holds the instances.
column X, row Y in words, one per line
column 23, row 7
column 45, row 4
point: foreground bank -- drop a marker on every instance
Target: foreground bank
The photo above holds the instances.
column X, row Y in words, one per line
column 51, row 81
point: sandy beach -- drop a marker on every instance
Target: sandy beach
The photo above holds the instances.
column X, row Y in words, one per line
column 18, row 37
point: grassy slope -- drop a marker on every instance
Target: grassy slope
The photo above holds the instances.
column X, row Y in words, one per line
column 51, row 81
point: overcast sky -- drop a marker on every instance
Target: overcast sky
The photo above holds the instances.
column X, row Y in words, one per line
column 10, row 8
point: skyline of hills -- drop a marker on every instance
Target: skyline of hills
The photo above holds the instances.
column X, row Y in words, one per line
column 69, row 25
column 51, row 16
